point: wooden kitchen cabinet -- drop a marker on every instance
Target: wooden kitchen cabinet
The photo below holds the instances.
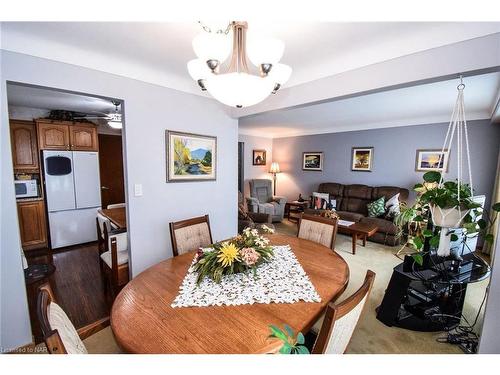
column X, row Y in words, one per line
column 32, row 224
column 53, row 136
column 66, row 135
column 24, row 146
column 83, row 137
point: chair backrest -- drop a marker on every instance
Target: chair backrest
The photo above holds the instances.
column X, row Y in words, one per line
column 341, row 320
column 116, row 205
column 102, row 222
column 59, row 334
column 262, row 190
column 190, row 234
column 318, row 229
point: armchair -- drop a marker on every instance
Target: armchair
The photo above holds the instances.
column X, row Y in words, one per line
column 261, row 200
column 250, row 219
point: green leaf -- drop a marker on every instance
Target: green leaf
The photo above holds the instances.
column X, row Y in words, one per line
column 453, row 237
column 289, row 330
column 276, row 332
column 434, row 242
column 418, row 218
column 428, row 233
column 489, row 238
column 303, row 350
column 418, row 258
column 417, row 241
column 286, row 349
column 300, row 338
column 496, row 207
column 432, row 176
column 482, row 223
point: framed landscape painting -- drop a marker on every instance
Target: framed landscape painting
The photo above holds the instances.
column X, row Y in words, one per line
column 431, row 160
column 362, row 159
column 312, row 161
column 259, row 157
column 191, row 157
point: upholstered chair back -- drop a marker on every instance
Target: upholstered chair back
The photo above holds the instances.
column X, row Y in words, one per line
column 103, row 221
column 262, row 190
column 59, row 333
column 341, row 320
column 190, row 234
column 318, row 229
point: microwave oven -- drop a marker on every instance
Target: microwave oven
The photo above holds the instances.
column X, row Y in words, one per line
column 26, row 188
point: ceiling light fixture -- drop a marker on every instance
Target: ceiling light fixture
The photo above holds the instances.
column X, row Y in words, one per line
column 115, row 119
column 234, row 83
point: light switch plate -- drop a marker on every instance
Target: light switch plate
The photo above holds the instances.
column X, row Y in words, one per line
column 138, row 190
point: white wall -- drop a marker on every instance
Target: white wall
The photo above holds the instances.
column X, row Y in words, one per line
column 149, row 110
column 255, row 171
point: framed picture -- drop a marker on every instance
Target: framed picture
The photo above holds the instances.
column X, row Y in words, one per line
column 191, row 157
column 362, row 159
column 312, row 161
column 259, row 157
column 431, row 160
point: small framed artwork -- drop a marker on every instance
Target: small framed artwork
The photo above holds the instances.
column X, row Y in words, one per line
column 431, row 160
column 362, row 159
column 312, row 161
column 259, row 157
column 190, row 157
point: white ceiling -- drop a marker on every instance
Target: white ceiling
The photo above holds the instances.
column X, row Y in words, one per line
column 423, row 104
column 158, row 52
column 35, row 97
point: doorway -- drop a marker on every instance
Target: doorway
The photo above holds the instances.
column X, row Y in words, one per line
column 66, row 150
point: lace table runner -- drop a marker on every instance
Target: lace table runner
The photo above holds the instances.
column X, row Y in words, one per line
column 281, row 280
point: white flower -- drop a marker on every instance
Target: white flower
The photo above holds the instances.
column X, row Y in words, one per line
column 267, row 229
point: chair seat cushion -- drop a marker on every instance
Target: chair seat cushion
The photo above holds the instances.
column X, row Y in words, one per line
column 122, row 257
column 385, row 226
column 69, row 336
column 266, row 208
column 350, row 216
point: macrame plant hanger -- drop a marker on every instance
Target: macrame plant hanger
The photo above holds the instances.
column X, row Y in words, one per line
column 452, row 217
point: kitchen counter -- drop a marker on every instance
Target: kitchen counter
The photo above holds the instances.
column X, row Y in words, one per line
column 29, row 199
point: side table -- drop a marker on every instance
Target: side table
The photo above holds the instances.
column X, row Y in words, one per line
column 294, row 207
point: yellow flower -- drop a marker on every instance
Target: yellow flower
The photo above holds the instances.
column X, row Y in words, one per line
column 227, row 254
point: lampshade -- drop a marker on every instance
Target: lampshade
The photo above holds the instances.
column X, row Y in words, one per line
column 115, row 124
column 212, row 46
column 275, row 168
column 239, row 89
column 280, row 73
column 198, row 69
column 264, row 51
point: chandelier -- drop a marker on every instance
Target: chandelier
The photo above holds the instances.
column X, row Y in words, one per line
column 233, row 81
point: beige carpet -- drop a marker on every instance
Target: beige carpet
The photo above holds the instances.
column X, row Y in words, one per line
column 372, row 336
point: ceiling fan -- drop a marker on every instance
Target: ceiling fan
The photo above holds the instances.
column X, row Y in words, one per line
column 114, row 119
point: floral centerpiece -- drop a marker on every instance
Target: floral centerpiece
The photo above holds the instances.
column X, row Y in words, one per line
column 243, row 253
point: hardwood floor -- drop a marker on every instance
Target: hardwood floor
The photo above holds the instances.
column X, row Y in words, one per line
column 77, row 283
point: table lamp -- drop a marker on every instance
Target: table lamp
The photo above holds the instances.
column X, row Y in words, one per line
column 275, row 169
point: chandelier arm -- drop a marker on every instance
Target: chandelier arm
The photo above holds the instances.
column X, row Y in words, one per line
column 239, row 56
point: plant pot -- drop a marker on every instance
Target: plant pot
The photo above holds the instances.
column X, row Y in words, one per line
column 447, row 217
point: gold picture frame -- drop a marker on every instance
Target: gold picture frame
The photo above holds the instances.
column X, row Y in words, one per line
column 362, row 159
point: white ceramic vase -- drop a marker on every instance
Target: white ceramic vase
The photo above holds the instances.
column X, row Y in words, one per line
column 446, row 218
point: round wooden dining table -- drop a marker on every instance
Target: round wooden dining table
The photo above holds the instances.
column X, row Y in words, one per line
column 143, row 320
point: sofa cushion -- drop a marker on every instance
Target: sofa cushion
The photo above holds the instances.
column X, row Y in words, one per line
column 388, row 192
column 376, row 208
column 355, row 205
column 335, row 190
column 350, row 216
column 383, row 225
column 358, row 191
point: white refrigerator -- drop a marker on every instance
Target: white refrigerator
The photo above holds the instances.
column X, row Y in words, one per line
column 72, row 189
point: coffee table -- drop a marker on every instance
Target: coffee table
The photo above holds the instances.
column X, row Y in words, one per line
column 358, row 230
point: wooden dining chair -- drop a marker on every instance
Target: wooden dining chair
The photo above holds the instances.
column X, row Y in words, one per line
column 341, row 319
column 116, row 205
column 60, row 335
column 115, row 260
column 101, row 221
column 190, row 234
column 318, row 229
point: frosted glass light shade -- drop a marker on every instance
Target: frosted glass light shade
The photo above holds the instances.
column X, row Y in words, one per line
column 275, row 168
column 212, row 46
column 280, row 73
column 239, row 89
column 115, row 124
column 264, row 51
column 198, row 69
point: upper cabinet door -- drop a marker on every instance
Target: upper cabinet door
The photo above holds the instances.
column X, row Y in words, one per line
column 24, row 146
column 53, row 136
column 83, row 137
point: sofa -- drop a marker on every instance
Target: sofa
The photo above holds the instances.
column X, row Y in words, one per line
column 262, row 201
column 351, row 201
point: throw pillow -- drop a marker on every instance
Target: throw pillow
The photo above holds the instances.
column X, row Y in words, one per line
column 392, row 207
column 320, row 201
column 376, row 208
